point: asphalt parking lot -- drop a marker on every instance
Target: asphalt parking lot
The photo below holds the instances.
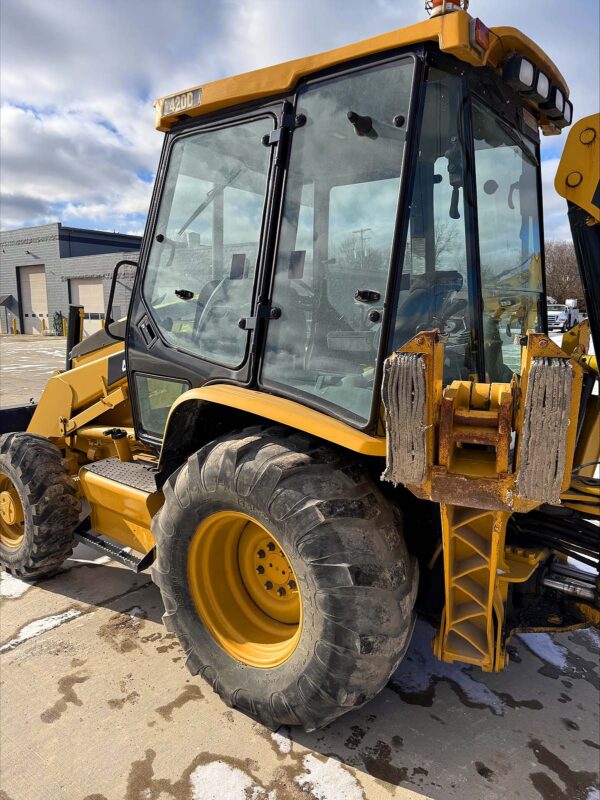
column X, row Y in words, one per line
column 96, row 704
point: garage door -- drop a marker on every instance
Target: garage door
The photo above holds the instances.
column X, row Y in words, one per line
column 34, row 301
column 89, row 293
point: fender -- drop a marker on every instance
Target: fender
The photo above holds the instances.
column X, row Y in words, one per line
column 199, row 415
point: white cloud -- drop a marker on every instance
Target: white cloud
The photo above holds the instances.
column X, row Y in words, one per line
column 79, row 76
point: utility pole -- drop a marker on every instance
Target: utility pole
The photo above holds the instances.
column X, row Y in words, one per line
column 362, row 232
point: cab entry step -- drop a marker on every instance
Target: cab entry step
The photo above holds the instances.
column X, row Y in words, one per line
column 136, row 474
column 112, row 550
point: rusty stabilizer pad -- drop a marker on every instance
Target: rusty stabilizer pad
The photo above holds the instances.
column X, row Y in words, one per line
column 542, row 453
column 404, row 398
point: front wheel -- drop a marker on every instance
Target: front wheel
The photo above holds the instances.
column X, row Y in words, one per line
column 39, row 506
column 285, row 575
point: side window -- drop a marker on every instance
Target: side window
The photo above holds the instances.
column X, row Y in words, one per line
column 338, row 223
column 156, row 396
column 434, row 286
column 200, row 275
column 509, row 241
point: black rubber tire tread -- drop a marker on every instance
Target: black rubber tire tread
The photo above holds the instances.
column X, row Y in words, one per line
column 344, row 539
column 50, row 503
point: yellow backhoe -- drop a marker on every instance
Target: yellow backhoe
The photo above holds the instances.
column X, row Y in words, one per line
column 334, row 403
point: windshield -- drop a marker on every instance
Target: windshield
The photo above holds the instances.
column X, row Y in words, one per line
column 509, row 241
column 337, row 230
column 557, row 308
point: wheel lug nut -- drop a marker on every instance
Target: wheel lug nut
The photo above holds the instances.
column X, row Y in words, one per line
column 281, row 591
column 271, row 546
column 268, row 585
column 261, row 554
column 292, row 585
column 260, row 569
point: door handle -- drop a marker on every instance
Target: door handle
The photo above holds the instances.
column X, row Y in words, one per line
column 146, row 328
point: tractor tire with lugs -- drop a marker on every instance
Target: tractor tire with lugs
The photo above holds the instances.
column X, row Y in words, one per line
column 39, row 506
column 285, row 575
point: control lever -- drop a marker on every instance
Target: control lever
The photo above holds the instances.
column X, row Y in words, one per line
column 455, row 174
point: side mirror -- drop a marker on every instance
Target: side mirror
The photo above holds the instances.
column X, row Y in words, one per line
column 121, row 288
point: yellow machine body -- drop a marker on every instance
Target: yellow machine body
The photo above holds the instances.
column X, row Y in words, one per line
column 468, row 428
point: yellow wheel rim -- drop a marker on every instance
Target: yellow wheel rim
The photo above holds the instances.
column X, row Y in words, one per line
column 12, row 518
column 244, row 589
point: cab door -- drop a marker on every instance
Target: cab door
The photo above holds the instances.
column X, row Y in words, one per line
column 200, row 262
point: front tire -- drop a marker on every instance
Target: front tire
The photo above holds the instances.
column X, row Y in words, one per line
column 39, row 506
column 339, row 543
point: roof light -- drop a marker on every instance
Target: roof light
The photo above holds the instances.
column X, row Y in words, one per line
column 555, row 105
column 567, row 116
column 542, row 87
column 519, row 73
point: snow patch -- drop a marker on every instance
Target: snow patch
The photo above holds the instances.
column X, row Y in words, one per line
column 218, row 780
column 328, row 780
column 283, row 743
column 543, row 646
column 420, row 669
column 12, row 587
column 38, row 627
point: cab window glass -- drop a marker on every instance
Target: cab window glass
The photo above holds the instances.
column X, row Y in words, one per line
column 337, row 229
column 509, row 240
column 156, row 396
column 434, row 285
column 200, row 276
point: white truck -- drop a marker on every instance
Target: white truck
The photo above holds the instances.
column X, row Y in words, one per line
column 563, row 317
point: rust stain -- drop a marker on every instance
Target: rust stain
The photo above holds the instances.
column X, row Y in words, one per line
column 68, row 695
column 189, row 694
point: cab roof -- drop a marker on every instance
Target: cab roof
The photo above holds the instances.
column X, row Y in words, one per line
column 452, row 32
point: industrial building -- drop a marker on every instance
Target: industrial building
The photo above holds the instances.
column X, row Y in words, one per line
column 46, row 268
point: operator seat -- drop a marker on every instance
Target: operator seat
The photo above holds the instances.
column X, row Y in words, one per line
column 424, row 303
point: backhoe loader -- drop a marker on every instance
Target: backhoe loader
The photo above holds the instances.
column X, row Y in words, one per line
column 334, row 403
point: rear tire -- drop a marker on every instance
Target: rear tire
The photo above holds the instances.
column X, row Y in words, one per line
column 356, row 580
column 42, row 503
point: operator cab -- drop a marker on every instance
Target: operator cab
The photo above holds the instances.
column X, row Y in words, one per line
column 294, row 244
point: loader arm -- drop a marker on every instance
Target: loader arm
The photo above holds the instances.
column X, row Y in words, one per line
column 578, row 181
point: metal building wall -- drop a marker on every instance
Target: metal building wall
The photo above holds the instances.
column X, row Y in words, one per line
column 44, row 244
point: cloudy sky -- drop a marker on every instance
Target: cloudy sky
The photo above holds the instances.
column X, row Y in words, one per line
column 79, row 76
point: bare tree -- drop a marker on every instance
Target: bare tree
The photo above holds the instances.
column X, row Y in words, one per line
column 353, row 253
column 562, row 274
column 446, row 236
